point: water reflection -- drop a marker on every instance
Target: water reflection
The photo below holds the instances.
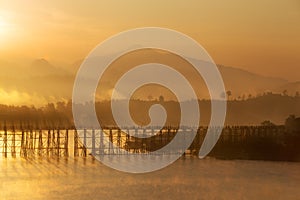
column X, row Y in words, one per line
column 189, row 178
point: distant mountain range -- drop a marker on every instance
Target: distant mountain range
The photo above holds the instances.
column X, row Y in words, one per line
column 41, row 67
column 45, row 79
column 241, row 82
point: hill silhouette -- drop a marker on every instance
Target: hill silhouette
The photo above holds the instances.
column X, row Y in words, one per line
column 42, row 80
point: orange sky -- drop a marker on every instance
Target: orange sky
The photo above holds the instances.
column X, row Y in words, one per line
column 262, row 36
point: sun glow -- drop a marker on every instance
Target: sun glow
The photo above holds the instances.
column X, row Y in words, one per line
column 4, row 27
column 3, row 24
column 6, row 31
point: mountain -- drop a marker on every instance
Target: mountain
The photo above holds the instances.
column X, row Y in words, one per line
column 242, row 82
column 291, row 88
column 45, row 79
column 42, row 67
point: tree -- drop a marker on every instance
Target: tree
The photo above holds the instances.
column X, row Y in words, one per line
column 229, row 93
column 161, row 98
column 284, row 92
column 267, row 123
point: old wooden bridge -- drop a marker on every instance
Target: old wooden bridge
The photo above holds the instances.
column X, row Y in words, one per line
column 31, row 142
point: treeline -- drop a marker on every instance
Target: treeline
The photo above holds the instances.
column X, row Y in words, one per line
column 56, row 115
column 258, row 143
column 274, row 108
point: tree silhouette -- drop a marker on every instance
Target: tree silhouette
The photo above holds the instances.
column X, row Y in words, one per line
column 229, row 93
column 161, row 98
column 267, row 123
column 285, row 92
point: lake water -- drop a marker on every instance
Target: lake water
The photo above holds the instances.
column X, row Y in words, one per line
column 187, row 178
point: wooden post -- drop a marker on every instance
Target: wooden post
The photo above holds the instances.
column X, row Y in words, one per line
column 101, row 146
column 53, row 143
column 66, row 144
column 111, row 148
column 13, row 144
column 5, row 142
column 84, row 151
column 58, row 143
column 119, row 141
column 93, row 142
column 23, row 144
column 49, row 143
column 76, row 153
column 40, row 145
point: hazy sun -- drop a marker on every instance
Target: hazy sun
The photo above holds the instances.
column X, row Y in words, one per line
column 3, row 25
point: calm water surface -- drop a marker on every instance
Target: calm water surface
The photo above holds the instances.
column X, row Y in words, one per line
column 188, row 178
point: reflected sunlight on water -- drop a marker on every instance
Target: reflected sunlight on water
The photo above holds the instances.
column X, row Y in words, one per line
column 188, row 178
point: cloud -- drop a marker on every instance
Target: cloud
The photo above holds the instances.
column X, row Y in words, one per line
column 15, row 97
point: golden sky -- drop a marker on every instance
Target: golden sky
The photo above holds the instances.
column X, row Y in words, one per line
column 262, row 36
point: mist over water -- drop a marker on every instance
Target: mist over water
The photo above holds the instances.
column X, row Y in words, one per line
column 187, row 178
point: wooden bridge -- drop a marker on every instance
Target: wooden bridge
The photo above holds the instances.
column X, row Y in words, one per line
column 30, row 142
